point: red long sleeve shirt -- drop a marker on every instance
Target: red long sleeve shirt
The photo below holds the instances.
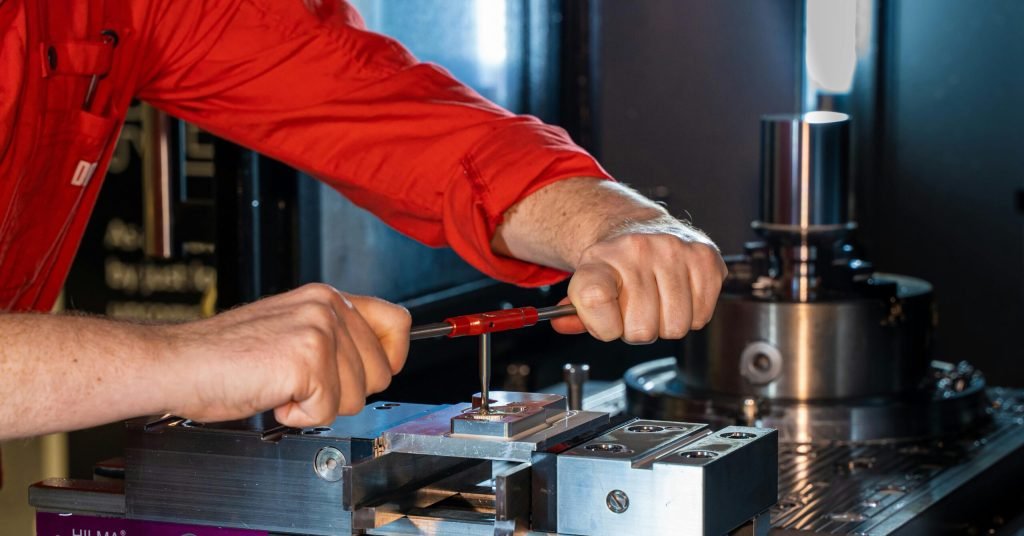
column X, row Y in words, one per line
column 303, row 82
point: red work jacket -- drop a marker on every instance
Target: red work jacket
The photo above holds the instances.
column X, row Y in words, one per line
column 300, row 81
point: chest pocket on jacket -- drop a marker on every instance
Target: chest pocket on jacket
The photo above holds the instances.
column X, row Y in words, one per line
column 67, row 159
column 55, row 181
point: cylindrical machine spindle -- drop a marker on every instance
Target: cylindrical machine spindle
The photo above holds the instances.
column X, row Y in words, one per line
column 805, row 185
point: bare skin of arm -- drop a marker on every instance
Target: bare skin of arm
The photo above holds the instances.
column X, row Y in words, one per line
column 309, row 354
column 313, row 353
column 639, row 274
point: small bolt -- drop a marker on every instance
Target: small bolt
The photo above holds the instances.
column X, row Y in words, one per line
column 328, row 464
column 617, row 501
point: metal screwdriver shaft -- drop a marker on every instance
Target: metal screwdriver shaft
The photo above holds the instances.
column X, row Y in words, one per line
column 485, row 373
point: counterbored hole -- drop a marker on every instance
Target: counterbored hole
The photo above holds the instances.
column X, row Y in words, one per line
column 645, row 429
column 607, row 447
column 738, row 435
column 385, row 406
column 698, row 454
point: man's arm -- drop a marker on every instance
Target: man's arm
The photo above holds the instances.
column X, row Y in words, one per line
column 430, row 157
column 640, row 274
column 308, row 354
column 401, row 138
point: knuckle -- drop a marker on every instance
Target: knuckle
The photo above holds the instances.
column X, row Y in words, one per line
column 674, row 331
column 313, row 341
column 314, row 291
column 636, row 242
column 317, row 314
column 708, row 255
column 640, row 335
column 593, row 296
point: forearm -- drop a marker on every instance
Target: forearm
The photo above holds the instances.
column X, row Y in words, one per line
column 556, row 224
column 65, row 372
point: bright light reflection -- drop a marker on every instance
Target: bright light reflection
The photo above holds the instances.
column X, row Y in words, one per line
column 831, row 44
column 819, row 117
column 491, row 33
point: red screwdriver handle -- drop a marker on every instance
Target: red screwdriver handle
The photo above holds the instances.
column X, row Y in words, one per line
column 493, row 321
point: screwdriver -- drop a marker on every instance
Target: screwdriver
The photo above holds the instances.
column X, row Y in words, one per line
column 489, row 322
column 483, row 324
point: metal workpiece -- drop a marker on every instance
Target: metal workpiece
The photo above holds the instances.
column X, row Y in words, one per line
column 510, row 415
column 805, row 184
column 663, row 477
column 825, row 350
column 432, row 434
column 500, row 421
column 510, row 398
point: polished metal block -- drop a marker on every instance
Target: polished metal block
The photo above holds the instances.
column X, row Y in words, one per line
column 499, row 421
column 510, row 414
column 661, row 477
column 434, row 434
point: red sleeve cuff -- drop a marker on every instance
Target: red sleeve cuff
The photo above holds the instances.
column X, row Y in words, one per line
column 504, row 168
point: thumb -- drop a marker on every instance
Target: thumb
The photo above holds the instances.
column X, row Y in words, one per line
column 390, row 323
column 569, row 325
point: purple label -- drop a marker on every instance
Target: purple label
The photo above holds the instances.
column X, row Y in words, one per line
column 49, row 524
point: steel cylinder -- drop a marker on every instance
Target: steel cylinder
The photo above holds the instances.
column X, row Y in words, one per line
column 805, row 185
column 819, row 351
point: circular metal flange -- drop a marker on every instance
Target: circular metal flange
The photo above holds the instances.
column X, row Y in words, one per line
column 654, row 391
column 868, row 346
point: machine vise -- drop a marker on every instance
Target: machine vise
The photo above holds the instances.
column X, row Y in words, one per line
column 528, row 465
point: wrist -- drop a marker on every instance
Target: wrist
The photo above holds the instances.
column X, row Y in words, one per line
column 167, row 378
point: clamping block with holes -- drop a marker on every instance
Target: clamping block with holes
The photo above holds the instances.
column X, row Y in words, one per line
column 666, row 478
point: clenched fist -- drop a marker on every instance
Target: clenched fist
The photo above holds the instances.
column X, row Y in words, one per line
column 309, row 354
column 647, row 280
